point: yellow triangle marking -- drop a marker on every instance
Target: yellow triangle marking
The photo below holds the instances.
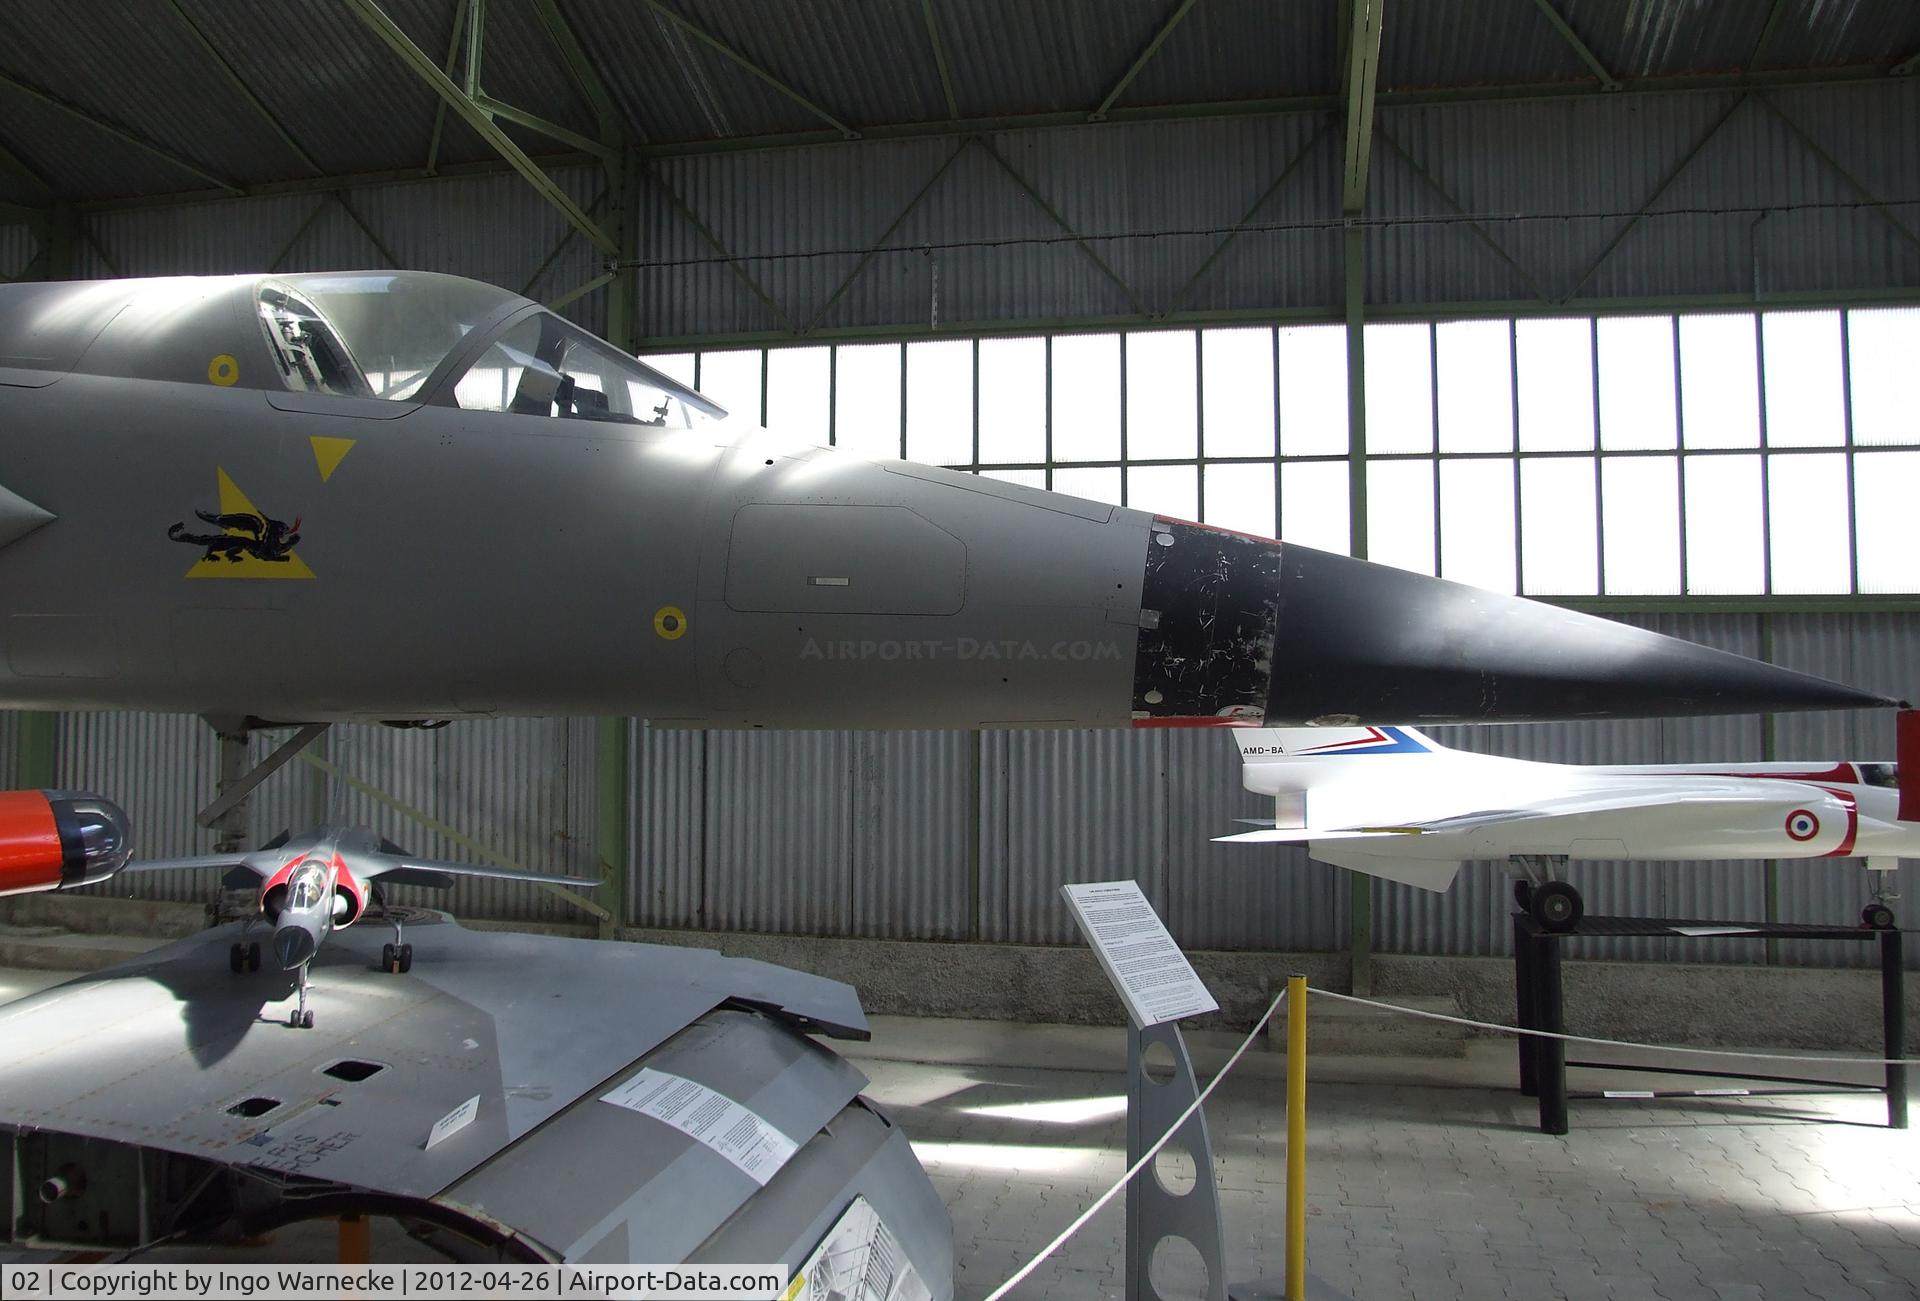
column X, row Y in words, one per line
column 328, row 453
column 232, row 502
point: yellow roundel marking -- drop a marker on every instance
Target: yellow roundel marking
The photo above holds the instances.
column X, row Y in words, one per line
column 224, row 370
column 670, row 621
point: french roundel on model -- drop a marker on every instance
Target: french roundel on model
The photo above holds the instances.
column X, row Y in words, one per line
column 1802, row 825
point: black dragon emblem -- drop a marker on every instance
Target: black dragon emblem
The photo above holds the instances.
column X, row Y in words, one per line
column 250, row 535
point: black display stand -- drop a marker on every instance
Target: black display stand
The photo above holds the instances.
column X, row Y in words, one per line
column 1541, row 1006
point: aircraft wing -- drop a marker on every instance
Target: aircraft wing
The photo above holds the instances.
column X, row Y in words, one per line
column 200, row 860
column 404, row 869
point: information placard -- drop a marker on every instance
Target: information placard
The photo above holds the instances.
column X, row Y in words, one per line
column 741, row 1136
column 1148, row 970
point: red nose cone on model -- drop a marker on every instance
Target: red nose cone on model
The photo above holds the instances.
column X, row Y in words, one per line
column 59, row 840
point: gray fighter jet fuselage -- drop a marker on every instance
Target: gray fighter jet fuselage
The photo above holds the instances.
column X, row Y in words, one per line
column 397, row 495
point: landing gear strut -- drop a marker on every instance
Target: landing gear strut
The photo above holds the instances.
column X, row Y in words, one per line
column 1553, row 903
column 396, row 957
column 301, row 1018
column 1878, row 915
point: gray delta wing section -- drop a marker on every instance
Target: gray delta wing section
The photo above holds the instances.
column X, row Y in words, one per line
column 177, row 1054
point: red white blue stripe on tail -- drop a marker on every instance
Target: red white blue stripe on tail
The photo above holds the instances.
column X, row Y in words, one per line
column 1269, row 744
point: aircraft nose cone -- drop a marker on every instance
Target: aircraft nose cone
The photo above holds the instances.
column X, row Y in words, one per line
column 1267, row 631
column 292, row 946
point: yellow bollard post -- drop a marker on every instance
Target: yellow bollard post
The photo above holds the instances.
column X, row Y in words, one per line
column 1296, row 1138
column 356, row 1240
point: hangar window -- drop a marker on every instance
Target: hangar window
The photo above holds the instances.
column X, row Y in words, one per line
column 1714, row 454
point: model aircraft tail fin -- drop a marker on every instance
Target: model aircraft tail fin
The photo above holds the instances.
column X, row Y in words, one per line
column 1265, row 745
column 1907, row 764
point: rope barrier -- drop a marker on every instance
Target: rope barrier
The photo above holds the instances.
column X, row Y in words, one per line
column 1153, row 1151
column 1079, row 1222
column 1612, row 1043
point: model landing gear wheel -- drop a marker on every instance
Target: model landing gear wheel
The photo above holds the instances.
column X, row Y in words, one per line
column 1523, row 892
column 253, row 956
column 1878, row 916
column 396, row 958
column 300, row 1020
column 236, row 958
column 1556, row 906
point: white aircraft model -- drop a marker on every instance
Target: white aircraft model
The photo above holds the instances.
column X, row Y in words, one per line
column 1391, row 803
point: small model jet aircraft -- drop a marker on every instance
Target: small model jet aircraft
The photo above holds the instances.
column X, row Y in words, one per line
column 312, row 884
column 1391, row 803
column 59, row 840
column 214, row 488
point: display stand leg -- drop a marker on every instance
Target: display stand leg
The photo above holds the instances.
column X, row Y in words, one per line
column 1523, row 1006
column 1550, row 1063
column 1153, row 1212
column 1893, row 1022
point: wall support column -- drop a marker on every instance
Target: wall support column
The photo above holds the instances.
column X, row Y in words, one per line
column 1360, row 902
column 611, row 837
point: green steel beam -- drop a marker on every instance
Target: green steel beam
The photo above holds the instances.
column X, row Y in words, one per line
column 99, row 249
column 36, row 186
column 476, row 45
column 612, row 123
column 1766, row 32
column 526, row 290
column 235, row 80
column 33, row 762
column 1053, row 214
column 692, row 218
column 582, row 290
column 1099, row 114
column 119, row 132
column 1476, row 228
column 552, row 130
column 60, row 236
column 440, row 105
column 886, row 235
column 1354, row 254
column 286, row 249
column 20, row 213
column 714, row 43
column 940, row 59
column 1666, row 182
column 480, row 120
column 373, row 236
column 1608, row 82
column 1317, row 315
column 1839, row 169
column 623, row 304
column 611, row 830
column 1906, row 67
column 1246, row 218
column 1363, row 68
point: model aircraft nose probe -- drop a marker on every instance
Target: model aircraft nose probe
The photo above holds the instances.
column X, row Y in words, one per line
column 59, row 840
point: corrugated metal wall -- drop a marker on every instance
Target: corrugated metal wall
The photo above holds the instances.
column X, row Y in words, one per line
column 525, row 788
column 17, row 248
column 874, row 834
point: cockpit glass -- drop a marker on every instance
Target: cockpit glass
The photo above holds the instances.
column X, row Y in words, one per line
column 304, row 887
column 374, row 335
column 545, row 366
column 1880, row 774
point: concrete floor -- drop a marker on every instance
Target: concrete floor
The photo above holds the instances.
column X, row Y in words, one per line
column 1426, row 1178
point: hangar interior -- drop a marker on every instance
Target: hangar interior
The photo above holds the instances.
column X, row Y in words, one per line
column 1609, row 303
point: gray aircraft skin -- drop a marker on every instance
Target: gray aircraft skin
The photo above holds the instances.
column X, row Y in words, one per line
column 401, row 495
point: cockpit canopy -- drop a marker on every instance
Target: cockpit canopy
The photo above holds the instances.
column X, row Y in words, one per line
column 306, row 887
column 397, row 336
